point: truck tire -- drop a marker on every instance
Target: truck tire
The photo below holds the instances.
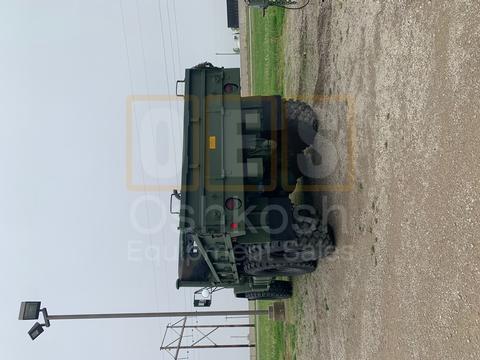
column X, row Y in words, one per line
column 302, row 125
column 278, row 290
column 313, row 241
column 278, row 267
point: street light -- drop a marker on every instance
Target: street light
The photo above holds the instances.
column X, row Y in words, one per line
column 35, row 331
column 30, row 310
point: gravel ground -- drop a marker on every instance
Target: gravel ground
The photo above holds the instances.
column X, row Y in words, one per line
column 404, row 283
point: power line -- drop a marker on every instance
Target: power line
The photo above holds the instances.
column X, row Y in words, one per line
column 167, row 77
column 169, row 17
column 140, row 29
column 175, row 70
column 205, row 340
column 147, row 209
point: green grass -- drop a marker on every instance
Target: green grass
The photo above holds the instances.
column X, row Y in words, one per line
column 271, row 336
column 267, row 51
column 275, row 340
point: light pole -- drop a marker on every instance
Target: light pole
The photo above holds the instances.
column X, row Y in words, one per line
column 30, row 310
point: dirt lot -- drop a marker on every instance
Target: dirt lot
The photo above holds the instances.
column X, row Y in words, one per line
column 405, row 283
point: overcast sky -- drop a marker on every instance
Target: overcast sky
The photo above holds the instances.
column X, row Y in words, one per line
column 73, row 234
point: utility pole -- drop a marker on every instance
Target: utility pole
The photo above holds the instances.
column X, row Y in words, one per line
column 205, row 332
column 210, row 326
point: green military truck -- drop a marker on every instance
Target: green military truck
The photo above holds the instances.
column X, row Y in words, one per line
column 238, row 226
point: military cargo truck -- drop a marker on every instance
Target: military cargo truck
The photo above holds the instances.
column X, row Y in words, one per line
column 238, row 227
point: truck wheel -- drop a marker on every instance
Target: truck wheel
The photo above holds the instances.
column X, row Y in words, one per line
column 278, row 290
column 302, row 125
column 313, row 241
column 278, row 267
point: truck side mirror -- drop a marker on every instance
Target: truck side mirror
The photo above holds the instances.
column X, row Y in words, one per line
column 202, row 298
